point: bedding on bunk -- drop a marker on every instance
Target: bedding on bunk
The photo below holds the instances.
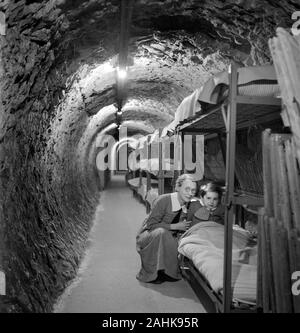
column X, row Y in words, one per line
column 169, row 129
column 252, row 81
column 136, row 182
column 142, row 191
column 203, row 244
column 152, row 165
column 187, row 108
column 140, row 186
column 194, row 163
column 151, row 195
column 138, row 158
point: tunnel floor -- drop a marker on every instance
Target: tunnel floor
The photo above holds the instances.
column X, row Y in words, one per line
column 106, row 279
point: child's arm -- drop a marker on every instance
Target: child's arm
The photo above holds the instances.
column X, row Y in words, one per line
column 220, row 214
column 193, row 207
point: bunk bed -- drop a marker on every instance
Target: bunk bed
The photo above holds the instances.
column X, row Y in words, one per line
column 144, row 187
column 203, row 246
column 141, row 190
column 152, row 170
column 165, row 164
column 229, row 102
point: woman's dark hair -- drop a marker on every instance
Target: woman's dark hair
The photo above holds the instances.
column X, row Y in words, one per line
column 211, row 187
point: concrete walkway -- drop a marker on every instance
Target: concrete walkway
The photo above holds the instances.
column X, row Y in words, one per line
column 106, row 280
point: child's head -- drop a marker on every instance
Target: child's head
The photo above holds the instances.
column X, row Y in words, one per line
column 211, row 194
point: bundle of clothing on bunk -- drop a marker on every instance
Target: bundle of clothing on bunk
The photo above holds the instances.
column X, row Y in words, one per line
column 203, row 244
column 252, row 81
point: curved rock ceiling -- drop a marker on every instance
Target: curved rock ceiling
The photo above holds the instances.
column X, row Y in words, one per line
column 58, row 93
column 175, row 45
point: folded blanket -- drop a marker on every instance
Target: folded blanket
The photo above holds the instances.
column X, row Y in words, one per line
column 137, row 182
column 252, row 81
column 152, row 165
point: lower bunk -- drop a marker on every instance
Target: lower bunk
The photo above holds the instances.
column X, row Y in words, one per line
column 142, row 191
column 147, row 192
column 201, row 263
column 214, row 300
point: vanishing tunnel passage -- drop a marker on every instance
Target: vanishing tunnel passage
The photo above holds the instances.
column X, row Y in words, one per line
column 60, row 93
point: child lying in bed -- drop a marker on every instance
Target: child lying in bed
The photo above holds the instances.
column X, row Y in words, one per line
column 209, row 207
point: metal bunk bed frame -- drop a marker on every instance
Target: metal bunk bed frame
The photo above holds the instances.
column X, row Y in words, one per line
column 224, row 303
column 161, row 173
column 161, row 176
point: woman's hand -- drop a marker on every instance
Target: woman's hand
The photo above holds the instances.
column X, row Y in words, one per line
column 183, row 226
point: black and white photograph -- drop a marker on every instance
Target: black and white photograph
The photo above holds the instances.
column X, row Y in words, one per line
column 149, row 160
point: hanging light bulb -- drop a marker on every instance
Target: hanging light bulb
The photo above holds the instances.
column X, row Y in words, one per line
column 122, row 73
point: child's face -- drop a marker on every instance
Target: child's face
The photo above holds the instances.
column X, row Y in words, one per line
column 211, row 200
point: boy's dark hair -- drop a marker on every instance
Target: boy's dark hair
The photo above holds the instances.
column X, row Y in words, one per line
column 211, row 187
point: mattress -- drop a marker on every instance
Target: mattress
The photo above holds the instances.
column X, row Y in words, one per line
column 203, row 244
column 152, row 165
column 142, row 191
column 140, row 186
column 136, row 182
column 252, row 81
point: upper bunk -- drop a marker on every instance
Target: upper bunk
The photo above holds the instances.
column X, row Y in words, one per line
column 257, row 99
column 147, row 157
column 232, row 101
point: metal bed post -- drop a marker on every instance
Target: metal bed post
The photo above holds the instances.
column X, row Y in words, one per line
column 172, row 153
column 140, row 169
column 148, row 208
column 233, row 121
column 222, row 146
column 175, row 173
column 182, row 153
column 160, row 171
column 230, row 172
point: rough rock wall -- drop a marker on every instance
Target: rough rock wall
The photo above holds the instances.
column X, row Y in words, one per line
column 235, row 26
column 238, row 29
column 44, row 209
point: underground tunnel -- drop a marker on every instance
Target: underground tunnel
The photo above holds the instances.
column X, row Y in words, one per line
column 59, row 94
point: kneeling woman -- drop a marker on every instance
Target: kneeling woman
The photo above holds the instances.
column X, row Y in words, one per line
column 156, row 241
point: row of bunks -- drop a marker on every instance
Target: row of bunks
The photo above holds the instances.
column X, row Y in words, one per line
column 249, row 261
column 150, row 175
